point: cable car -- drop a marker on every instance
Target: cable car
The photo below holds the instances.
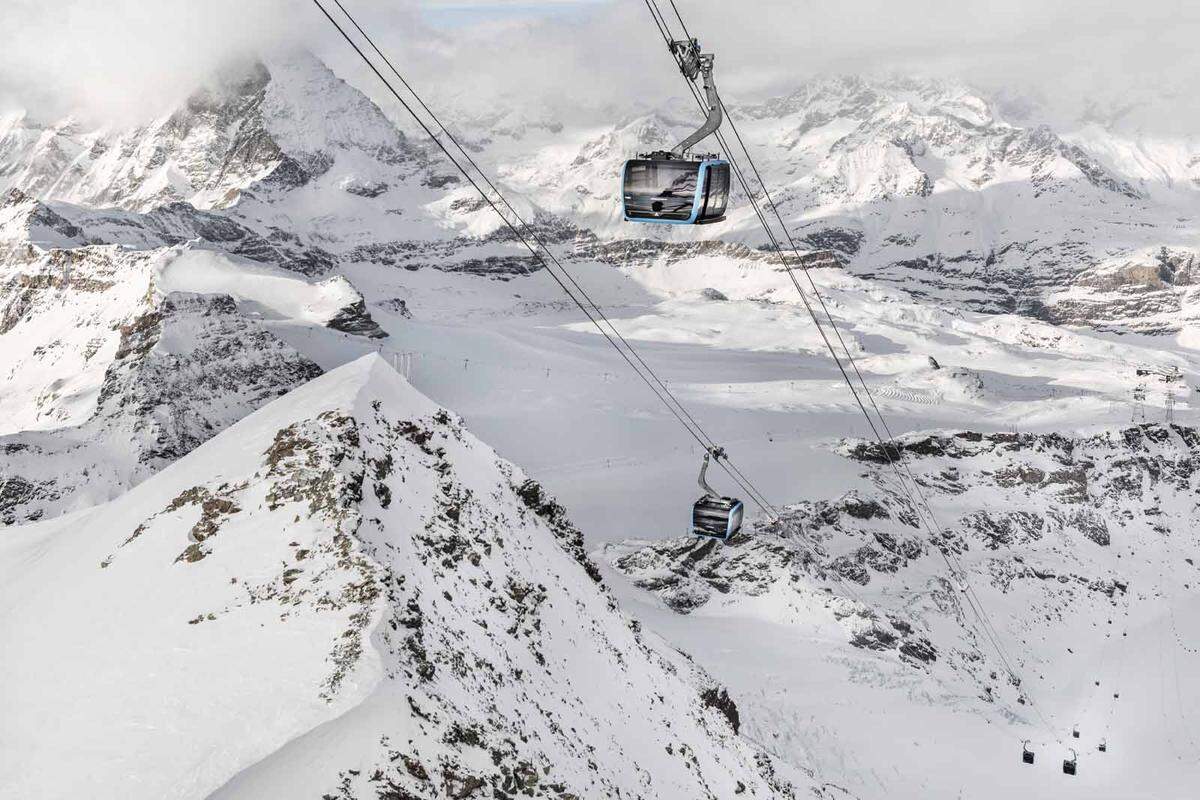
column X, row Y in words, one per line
column 1069, row 764
column 1103, row 746
column 1026, row 753
column 713, row 515
column 661, row 187
column 1075, row 732
column 675, row 187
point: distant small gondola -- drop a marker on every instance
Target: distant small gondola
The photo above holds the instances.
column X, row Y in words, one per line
column 1070, row 764
column 1026, row 753
column 713, row 515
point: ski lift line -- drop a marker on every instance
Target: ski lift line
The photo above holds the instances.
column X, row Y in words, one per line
column 783, row 258
column 769, row 201
column 988, row 633
column 664, row 394
column 1169, row 582
column 524, row 225
column 953, row 565
column 744, row 482
column 762, row 220
column 956, row 567
column 1121, row 647
column 820, row 328
column 1121, row 661
column 1098, row 684
column 679, row 17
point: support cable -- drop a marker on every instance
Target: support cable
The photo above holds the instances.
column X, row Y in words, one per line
column 631, row 357
column 952, row 563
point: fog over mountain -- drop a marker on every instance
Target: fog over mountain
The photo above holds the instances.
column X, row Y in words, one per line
column 1076, row 55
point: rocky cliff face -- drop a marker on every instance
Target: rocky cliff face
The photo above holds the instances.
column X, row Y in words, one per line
column 1049, row 527
column 184, row 369
column 114, row 371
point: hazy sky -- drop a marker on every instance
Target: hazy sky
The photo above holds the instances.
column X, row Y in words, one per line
column 131, row 57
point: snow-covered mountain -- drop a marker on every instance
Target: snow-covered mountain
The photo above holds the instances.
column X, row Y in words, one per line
column 120, row 359
column 345, row 593
column 1074, row 544
column 241, row 518
column 942, row 190
column 946, row 191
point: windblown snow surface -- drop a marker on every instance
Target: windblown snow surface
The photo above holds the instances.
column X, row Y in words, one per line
column 233, row 575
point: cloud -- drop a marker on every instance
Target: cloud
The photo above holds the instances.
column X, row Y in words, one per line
column 124, row 59
column 598, row 57
column 1075, row 56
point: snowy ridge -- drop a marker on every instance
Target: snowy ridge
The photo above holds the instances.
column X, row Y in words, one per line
column 347, row 561
column 121, row 360
column 184, row 369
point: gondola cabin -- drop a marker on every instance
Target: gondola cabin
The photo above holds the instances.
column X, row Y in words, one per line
column 675, row 187
column 714, row 515
column 675, row 191
column 717, row 517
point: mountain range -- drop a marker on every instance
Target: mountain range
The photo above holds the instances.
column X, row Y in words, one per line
column 247, row 556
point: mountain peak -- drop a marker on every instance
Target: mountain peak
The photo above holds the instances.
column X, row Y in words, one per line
column 389, row 600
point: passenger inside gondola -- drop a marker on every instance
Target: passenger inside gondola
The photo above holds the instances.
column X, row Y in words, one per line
column 660, row 189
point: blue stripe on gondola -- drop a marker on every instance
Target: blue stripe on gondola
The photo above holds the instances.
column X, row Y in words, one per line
column 735, row 519
column 701, row 183
column 733, row 523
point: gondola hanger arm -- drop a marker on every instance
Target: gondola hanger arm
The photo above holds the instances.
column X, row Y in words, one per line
column 695, row 64
column 716, row 454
